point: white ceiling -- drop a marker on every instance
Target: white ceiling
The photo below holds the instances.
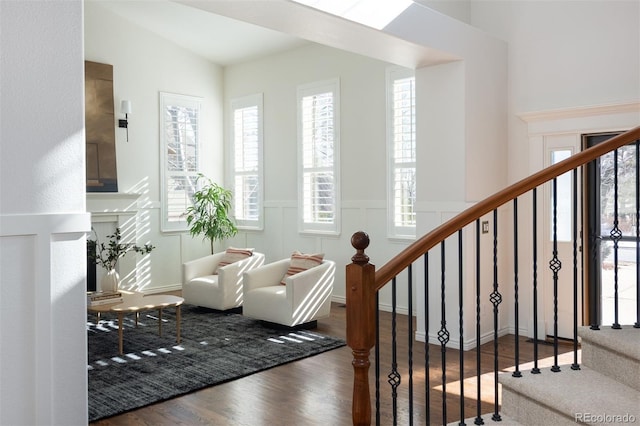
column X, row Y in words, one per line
column 221, row 40
column 227, row 32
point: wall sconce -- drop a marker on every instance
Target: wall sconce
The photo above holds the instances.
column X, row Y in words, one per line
column 125, row 108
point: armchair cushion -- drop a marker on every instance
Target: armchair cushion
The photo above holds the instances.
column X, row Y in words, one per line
column 232, row 255
column 301, row 262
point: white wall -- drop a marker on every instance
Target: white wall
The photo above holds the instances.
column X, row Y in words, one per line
column 144, row 65
column 458, row 9
column 482, row 139
column 42, row 221
column 563, row 54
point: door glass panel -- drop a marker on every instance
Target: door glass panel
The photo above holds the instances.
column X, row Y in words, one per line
column 625, row 222
column 564, row 199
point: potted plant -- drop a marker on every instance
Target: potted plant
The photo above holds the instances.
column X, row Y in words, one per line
column 107, row 256
column 209, row 214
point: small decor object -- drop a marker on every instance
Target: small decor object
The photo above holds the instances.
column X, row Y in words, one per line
column 96, row 298
column 107, row 256
column 110, row 281
column 209, row 214
column 301, row 262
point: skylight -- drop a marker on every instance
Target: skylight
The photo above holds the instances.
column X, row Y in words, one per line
column 372, row 13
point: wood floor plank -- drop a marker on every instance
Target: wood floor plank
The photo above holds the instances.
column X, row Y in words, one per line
column 317, row 390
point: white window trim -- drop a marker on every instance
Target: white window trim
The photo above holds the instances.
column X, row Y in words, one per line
column 239, row 103
column 332, row 85
column 182, row 100
column 393, row 231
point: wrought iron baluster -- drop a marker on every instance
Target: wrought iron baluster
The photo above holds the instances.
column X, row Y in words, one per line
column 575, row 365
column 460, row 320
column 377, row 355
column 516, row 306
column 394, row 376
column 443, row 335
column 495, row 298
column 637, row 323
column 555, row 265
column 594, row 253
column 535, row 369
column 478, row 420
column 427, row 366
column 410, row 339
column 616, row 236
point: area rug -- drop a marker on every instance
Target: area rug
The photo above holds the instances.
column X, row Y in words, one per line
column 216, row 347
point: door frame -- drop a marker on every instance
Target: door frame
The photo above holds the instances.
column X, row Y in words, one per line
column 538, row 125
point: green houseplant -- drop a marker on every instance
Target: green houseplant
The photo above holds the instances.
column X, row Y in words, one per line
column 107, row 255
column 209, row 214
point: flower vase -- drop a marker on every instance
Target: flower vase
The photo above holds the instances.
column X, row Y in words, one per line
column 109, row 282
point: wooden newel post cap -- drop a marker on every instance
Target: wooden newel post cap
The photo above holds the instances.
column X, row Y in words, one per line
column 360, row 241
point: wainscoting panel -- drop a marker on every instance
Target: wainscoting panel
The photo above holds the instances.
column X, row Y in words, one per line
column 42, row 283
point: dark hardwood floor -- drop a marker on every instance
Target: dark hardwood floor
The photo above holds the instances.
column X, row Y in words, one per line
column 317, row 390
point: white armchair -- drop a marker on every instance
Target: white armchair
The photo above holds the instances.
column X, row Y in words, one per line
column 302, row 300
column 223, row 290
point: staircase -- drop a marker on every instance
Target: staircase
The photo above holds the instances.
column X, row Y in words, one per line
column 605, row 390
column 603, row 387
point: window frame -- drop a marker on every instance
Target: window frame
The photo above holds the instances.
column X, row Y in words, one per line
column 255, row 100
column 183, row 101
column 394, row 230
column 304, row 91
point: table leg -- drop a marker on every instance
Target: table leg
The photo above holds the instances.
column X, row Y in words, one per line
column 160, row 322
column 120, row 321
column 178, row 318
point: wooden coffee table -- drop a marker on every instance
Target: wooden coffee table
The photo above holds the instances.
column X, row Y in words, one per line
column 134, row 303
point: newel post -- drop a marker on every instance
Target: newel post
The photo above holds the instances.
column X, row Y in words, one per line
column 361, row 327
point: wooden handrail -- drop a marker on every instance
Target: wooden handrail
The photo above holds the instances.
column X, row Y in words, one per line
column 437, row 235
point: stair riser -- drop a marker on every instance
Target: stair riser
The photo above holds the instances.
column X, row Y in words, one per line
column 612, row 364
column 530, row 412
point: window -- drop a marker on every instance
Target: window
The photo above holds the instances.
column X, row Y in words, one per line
column 246, row 161
column 180, row 150
column 401, row 141
column 318, row 142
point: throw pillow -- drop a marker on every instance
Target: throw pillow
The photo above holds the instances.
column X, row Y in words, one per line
column 232, row 255
column 301, row 262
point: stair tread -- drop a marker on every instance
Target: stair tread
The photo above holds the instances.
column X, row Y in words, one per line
column 625, row 341
column 486, row 418
column 590, row 391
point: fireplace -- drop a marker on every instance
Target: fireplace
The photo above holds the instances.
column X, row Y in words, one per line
column 111, row 210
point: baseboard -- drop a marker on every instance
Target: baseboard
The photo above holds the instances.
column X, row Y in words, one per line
column 163, row 289
column 402, row 310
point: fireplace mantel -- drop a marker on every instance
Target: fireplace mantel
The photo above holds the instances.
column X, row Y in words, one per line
column 107, row 206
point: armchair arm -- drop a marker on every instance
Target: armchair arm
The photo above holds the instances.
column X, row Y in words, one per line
column 200, row 267
column 265, row 276
column 317, row 281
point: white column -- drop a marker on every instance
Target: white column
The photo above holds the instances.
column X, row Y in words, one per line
column 42, row 214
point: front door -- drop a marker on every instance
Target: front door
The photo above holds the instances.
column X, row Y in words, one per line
column 611, row 202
